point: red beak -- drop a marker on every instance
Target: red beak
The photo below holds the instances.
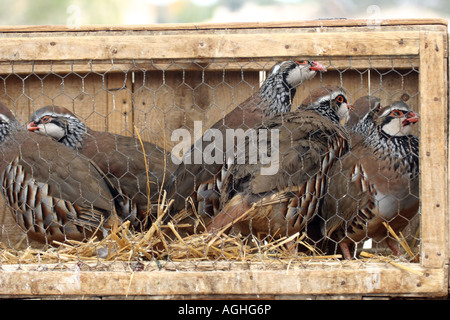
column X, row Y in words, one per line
column 32, row 126
column 316, row 66
column 411, row 118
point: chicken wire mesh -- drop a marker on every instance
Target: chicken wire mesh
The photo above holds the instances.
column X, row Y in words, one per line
column 165, row 106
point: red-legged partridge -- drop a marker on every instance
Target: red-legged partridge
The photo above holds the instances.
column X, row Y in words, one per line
column 378, row 181
column 54, row 193
column 120, row 157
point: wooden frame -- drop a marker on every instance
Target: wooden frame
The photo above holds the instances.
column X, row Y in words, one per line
column 423, row 40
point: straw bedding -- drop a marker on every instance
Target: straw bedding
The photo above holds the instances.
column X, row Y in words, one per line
column 156, row 247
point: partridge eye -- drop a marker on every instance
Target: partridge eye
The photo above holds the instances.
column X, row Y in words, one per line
column 46, row 119
column 397, row 113
column 302, row 62
column 340, row 99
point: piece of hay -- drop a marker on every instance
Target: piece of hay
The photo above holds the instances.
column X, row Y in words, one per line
column 389, row 260
column 402, row 242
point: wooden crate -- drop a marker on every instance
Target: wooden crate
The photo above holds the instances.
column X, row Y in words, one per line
column 163, row 77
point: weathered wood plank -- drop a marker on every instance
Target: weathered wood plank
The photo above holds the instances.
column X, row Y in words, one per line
column 236, row 25
column 371, row 279
column 433, row 148
column 85, row 67
column 119, row 103
column 209, row 46
column 15, row 93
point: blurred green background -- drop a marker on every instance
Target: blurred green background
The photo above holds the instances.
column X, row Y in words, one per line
column 81, row 12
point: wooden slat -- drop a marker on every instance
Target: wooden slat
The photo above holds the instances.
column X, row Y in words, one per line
column 119, row 103
column 82, row 67
column 90, row 102
column 15, row 93
column 433, row 148
column 370, row 279
column 236, row 25
column 209, row 46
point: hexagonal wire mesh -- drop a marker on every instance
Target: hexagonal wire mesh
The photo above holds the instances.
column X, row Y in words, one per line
column 167, row 105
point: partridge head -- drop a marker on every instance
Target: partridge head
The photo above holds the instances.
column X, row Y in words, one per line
column 278, row 90
column 331, row 101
